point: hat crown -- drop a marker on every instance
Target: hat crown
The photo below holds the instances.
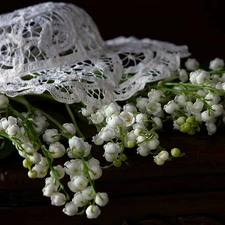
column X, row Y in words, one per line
column 45, row 36
column 56, row 47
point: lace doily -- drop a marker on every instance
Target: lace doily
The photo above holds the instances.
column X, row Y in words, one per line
column 56, row 47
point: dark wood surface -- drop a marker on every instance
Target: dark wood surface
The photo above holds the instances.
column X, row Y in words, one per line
column 188, row 190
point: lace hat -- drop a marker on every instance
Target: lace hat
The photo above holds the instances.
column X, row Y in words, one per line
column 56, row 47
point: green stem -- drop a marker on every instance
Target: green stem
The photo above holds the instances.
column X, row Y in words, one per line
column 98, row 127
column 151, row 133
column 86, row 170
column 106, row 167
column 30, row 108
column 197, row 86
column 43, row 148
column 217, row 71
column 45, row 152
column 49, row 117
column 158, row 149
column 74, row 121
column 191, row 92
column 122, row 139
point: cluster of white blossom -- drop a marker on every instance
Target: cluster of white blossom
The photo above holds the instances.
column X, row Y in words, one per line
column 40, row 146
column 199, row 100
column 129, row 126
column 194, row 99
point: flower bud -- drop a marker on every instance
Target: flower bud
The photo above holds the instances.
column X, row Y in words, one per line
column 140, row 139
column 86, row 111
column 207, row 117
column 49, row 190
column 158, row 122
column 35, row 158
column 59, row 170
column 4, row 101
column 130, row 144
column 43, row 161
column 153, row 143
column 28, row 147
column 128, row 118
column 92, row 211
column 158, row 160
column 79, row 199
column 180, row 121
column 13, row 131
column 211, row 128
column 95, row 172
column 40, row 124
column 78, row 183
column 110, row 157
column 88, row 193
column 217, row 110
column 143, row 150
column 70, row 128
column 216, row 64
column 112, row 148
column 111, row 109
column 191, row 64
column 41, row 170
column 73, row 167
column 51, row 180
column 97, row 140
column 78, row 147
column 101, row 198
column 170, row 107
column 129, row 108
column 27, row 163
column 32, row 174
column 70, row 209
column 107, row 133
column 155, row 95
column 56, row 150
column 185, row 127
column 141, row 118
column 117, row 163
column 5, row 122
column 141, row 103
column 51, row 135
column 175, row 152
column 58, row 199
column 183, row 75
column 114, row 121
column 163, row 155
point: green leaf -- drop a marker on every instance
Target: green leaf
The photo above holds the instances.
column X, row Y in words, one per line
column 6, row 148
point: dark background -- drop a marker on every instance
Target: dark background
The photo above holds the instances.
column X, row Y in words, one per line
column 200, row 24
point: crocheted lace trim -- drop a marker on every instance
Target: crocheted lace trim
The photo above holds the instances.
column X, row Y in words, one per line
column 56, row 47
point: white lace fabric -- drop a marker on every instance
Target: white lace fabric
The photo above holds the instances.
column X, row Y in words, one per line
column 56, row 47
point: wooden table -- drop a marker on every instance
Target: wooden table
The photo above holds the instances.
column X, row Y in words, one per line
column 188, row 190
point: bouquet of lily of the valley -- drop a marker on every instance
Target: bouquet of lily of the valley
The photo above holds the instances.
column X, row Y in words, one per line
column 126, row 90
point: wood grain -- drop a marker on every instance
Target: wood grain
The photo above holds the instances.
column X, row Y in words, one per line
column 185, row 190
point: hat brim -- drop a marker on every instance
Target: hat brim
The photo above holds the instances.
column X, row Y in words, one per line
column 125, row 68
